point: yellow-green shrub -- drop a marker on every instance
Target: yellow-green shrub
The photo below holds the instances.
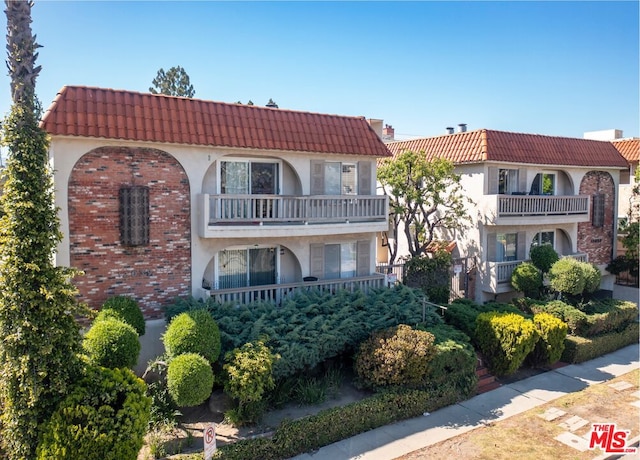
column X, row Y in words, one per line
column 550, row 345
column 112, row 343
column 104, row 417
column 398, row 356
column 189, row 379
column 127, row 310
column 505, row 340
column 194, row 331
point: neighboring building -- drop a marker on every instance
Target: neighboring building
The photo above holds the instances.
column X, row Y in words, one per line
column 630, row 150
column 162, row 196
column 529, row 189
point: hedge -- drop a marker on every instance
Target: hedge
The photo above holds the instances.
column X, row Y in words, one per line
column 552, row 332
column 462, row 314
column 579, row 349
column 292, row 438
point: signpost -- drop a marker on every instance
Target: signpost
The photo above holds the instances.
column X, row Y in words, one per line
column 209, row 441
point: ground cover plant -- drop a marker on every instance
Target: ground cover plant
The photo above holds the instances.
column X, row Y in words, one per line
column 312, row 326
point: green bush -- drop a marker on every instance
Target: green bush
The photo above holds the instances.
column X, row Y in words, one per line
column 331, row 425
column 543, row 257
column 431, row 274
column 189, row 379
column 104, row 417
column 395, row 357
column 575, row 319
column 549, row 347
column 505, row 340
column 462, row 314
column 112, row 343
column 572, row 277
column 580, row 349
column 310, row 327
column 454, row 364
column 527, row 278
column 128, row 310
column 248, row 377
column 193, row 332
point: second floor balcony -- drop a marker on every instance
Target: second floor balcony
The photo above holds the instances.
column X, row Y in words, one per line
column 508, row 209
column 281, row 215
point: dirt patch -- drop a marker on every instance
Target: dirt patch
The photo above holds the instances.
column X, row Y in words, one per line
column 188, row 436
column 529, row 436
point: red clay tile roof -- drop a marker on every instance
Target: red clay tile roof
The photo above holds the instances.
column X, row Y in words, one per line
column 628, row 148
column 116, row 114
column 489, row 145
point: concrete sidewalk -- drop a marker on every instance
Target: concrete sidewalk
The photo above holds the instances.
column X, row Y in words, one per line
column 391, row 441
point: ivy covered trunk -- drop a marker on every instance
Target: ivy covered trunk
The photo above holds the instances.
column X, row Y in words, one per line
column 39, row 337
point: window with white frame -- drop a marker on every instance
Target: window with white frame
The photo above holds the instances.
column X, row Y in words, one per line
column 543, row 184
column 507, row 181
column 249, row 177
column 544, row 238
column 506, row 247
column 340, row 178
column 247, row 267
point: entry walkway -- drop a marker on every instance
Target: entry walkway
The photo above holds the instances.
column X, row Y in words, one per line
column 391, row 441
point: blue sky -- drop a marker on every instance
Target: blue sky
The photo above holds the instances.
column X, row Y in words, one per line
column 558, row 68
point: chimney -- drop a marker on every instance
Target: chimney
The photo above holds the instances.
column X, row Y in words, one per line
column 449, row 129
column 388, row 133
column 462, row 128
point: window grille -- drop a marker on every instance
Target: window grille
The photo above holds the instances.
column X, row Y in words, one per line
column 597, row 217
column 134, row 216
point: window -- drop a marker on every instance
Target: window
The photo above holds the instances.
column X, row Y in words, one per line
column 134, row 216
column 506, row 247
column 543, row 238
column 246, row 267
column 543, row 184
column 249, row 177
column 340, row 178
column 340, row 260
column 597, row 216
column 507, row 181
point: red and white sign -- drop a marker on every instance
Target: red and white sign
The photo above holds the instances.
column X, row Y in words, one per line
column 612, row 441
column 209, row 441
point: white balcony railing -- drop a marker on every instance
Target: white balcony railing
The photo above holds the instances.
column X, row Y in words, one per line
column 504, row 270
column 277, row 292
column 540, row 205
column 281, row 209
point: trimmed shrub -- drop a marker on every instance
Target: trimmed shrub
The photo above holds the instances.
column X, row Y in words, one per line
column 193, row 332
column 454, row 363
column 505, row 339
column 462, row 314
column 580, row 349
column 543, row 257
column 608, row 316
column 527, row 278
column 395, row 357
column 189, row 379
column 112, row 343
column 592, row 277
column 431, row 274
column 549, row 347
column 105, row 417
column 567, row 276
column 248, row 377
column 328, row 426
column 128, row 310
column 575, row 319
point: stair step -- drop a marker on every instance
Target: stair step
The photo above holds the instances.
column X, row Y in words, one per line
column 488, row 387
column 485, row 379
column 482, row 371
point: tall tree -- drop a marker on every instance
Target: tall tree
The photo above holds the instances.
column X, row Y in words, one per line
column 425, row 196
column 39, row 337
column 175, row 82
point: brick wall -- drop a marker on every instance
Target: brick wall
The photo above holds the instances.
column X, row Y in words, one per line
column 597, row 242
column 153, row 274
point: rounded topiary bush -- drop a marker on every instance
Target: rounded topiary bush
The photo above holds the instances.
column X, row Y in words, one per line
column 543, row 257
column 527, row 278
column 567, row 276
column 193, row 332
column 112, row 343
column 128, row 311
column 189, row 379
column 105, row 416
column 398, row 356
column 592, row 277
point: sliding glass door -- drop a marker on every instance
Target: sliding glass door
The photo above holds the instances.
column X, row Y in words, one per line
column 246, row 267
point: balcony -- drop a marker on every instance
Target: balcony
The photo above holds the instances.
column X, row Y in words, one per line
column 276, row 293
column 544, row 209
column 499, row 273
column 279, row 215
